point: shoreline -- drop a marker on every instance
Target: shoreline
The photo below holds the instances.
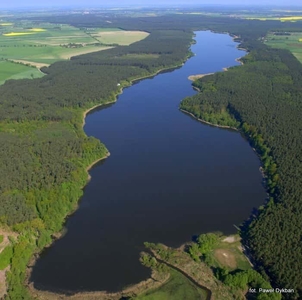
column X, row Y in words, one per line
column 198, row 76
column 208, row 123
column 155, row 281
column 83, row 295
column 30, row 284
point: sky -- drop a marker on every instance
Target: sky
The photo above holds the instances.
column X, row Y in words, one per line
column 89, row 3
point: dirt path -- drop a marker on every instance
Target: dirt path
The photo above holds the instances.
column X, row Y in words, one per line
column 31, row 63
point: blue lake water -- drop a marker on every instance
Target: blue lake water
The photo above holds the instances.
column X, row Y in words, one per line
column 168, row 178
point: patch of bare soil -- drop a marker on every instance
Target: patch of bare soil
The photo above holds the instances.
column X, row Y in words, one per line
column 195, row 77
column 226, row 258
column 3, row 287
column 231, row 239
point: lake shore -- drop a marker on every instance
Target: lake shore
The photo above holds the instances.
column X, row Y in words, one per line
column 137, row 288
column 208, row 123
column 157, row 279
column 144, row 284
column 198, row 76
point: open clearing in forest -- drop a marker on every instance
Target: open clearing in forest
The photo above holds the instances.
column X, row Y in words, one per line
column 292, row 41
column 228, row 253
column 47, row 43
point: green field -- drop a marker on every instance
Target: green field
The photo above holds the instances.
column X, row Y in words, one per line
column 42, row 45
column 292, row 42
column 228, row 254
column 10, row 70
column 178, row 287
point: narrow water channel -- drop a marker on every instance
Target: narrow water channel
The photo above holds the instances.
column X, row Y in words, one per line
column 168, row 177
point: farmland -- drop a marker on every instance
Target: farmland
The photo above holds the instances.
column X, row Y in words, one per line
column 275, row 18
column 10, row 70
column 118, row 36
column 291, row 41
column 42, row 45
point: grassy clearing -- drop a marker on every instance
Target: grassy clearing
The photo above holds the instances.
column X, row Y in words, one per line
column 228, row 254
column 10, row 70
column 292, row 42
column 177, row 287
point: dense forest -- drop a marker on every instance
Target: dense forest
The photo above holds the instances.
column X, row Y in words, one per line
column 263, row 98
column 44, row 151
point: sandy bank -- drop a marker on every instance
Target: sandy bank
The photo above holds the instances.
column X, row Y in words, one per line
column 198, row 76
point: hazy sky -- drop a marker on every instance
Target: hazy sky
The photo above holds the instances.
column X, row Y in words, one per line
column 45, row 3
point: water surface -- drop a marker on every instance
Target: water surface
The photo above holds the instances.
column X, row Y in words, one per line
column 168, row 177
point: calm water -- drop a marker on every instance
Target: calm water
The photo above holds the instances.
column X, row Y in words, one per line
column 168, row 177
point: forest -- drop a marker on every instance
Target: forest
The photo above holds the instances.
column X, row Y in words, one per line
column 44, row 151
column 263, row 99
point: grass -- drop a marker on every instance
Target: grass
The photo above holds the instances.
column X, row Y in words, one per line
column 42, row 46
column 230, row 256
column 5, row 257
column 292, row 43
column 178, row 287
column 9, row 70
column 1, row 238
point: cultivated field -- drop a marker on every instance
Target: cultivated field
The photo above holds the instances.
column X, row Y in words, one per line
column 274, row 18
column 43, row 44
column 10, row 70
column 118, row 36
column 292, row 42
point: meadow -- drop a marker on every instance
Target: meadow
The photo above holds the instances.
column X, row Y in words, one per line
column 42, row 45
column 10, row 70
column 178, row 287
column 292, row 42
column 228, row 254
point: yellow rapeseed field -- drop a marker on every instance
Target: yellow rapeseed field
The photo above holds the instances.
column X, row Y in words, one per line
column 37, row 29
column 300, row 40
column 296, row 18
column 282, row 19
column 17, row 33
column 6, row 24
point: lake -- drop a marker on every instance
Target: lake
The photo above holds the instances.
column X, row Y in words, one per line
column 169, row 177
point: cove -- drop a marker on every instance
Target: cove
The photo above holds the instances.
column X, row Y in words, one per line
column 168, row 178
